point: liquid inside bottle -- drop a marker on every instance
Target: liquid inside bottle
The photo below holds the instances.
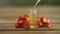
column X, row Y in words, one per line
column 33, row 19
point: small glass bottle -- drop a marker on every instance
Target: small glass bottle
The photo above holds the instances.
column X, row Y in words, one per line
column 33, row 18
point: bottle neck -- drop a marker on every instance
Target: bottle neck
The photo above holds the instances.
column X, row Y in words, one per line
column 33, row 11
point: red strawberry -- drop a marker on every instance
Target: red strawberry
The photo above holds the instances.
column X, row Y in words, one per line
column 26, row 17
column 48, row 25
column 26, row 25
column 43, row 19
column 17, row 25
column 40, row 24
column 20, row 17
column 20, row 21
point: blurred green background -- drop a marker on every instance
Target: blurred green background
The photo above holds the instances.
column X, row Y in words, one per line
column 28, row 2
column 32, row 2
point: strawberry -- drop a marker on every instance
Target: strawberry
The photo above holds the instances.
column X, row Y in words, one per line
column 26, row 25
column 20, row 17
column 43, row 19
column 26, row 17
column 17, row 25
column 40, row 23
column 20, row 21
column 48, row 25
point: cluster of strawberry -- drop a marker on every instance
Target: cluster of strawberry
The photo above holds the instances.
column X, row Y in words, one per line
column 23, row 22
column 44, row 23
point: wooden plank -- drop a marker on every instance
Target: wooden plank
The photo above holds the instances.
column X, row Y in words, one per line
column 29, row 32
column 11, row 27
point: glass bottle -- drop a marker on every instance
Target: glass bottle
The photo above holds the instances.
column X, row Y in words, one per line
column 33, row 18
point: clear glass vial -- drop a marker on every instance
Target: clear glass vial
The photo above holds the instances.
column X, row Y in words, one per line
column 33, row 18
